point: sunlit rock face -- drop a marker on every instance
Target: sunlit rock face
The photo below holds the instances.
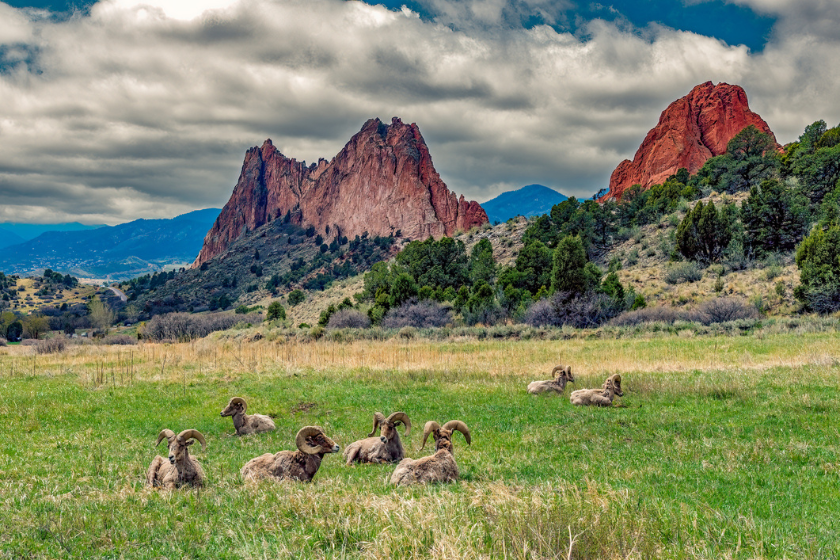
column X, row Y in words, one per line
column 381, row 182
column 691, row 130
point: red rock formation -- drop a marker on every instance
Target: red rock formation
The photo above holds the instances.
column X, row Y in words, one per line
column 382, row 181
column 690, row 131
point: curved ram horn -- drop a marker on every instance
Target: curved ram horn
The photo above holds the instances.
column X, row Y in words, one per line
column 165, row 433
column 189, row 434
column 461, row 427
column 239, row 400
column 556, row 369
column 378, row 418
column 568, row 372
column 616, row 380
column 300, row 439
column 430, row 427
column 401, row 417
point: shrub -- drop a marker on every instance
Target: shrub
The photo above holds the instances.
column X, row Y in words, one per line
column 296, row 296
column 564, row 308
column 51, row 345
column 348, row 318
column 721, row 310
column 276, row 311
column 3, row 341
column 316, row 332
column 678, row 273
column 659, row 314
column 185, row 327
column 408, row 332
column 424, row 314
column 119, row 340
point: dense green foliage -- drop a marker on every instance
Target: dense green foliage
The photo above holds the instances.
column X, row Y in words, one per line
column 750, row 158
column 275, row 311
column 705, row 233
column 818, row 259
column 775, row 217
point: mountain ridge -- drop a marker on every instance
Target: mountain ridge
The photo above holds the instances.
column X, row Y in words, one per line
column 530, row 200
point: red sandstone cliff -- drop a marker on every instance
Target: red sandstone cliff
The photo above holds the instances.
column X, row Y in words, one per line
column 382, row 181
column 690, row 131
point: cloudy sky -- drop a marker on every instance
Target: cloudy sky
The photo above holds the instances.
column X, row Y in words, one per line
column 123, row 109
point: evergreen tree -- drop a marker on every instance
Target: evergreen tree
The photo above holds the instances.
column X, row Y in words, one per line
column 276, row 311
column 704, row 233
column 775, row 218
column 567, row 273
column 482, row 265
column 818, row 259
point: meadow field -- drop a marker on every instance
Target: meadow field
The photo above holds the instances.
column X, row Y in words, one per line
column 722, row 447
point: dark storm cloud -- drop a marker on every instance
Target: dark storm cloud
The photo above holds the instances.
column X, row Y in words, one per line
column 126, row 112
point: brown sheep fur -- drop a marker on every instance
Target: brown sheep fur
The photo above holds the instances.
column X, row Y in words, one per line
column 247, row 423
column 441, row 466
column 557, row 385
column 599, row 397
column 299, row 465
column 179, row 469
column 387, row 448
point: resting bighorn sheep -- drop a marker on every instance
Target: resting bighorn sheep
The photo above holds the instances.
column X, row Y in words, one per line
column 599, row 397
column 441, row 466
column 556, row 385
column 179, row 469
column 247, row 423
column 387, row 448
column 293, row 465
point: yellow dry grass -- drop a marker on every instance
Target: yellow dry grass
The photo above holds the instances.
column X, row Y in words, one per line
column 468, row 359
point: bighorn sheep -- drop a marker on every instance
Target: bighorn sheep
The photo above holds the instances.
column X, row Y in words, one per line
column 599, row 397
column 557, row 385
column 387, row 448
column 179, row 469
column 293, row 465
column 441, row 466
column 247, row 423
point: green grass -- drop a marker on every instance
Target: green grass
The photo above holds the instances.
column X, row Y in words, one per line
column 742, row 461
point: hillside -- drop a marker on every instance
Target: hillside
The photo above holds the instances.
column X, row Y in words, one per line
column 113, row 252
column 8, row 238
column 274, row 259
column 31, row 231
column 530, row 200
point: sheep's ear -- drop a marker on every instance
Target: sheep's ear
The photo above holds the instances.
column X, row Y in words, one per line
column 189, row 443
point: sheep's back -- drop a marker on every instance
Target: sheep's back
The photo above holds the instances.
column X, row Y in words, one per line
column 440, row 467
column 262, row 423
column 280, row 466
column 536, row 387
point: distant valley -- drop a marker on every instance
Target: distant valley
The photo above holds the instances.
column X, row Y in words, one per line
column 109, row 252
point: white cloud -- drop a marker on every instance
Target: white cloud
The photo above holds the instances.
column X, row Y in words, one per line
column 139, row 110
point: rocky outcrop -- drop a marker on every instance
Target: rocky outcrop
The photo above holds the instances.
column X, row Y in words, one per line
column 690, row 131
column 382, row 181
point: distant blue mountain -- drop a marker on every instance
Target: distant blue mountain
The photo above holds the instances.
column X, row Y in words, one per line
column 31, row 231
column 8, row 238
column 115, row 252
column 531, row 200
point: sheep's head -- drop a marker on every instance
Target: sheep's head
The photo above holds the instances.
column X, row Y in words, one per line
column 312, row 440
column 615, row 381
column 178, row 444
column 443, row 435
column 235, row 406
column 388, row 426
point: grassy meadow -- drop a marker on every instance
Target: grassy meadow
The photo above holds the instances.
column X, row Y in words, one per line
column 722, row 447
